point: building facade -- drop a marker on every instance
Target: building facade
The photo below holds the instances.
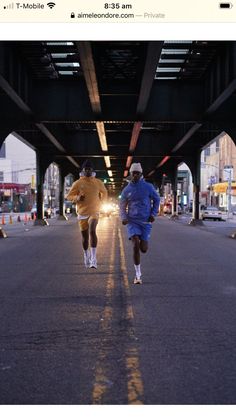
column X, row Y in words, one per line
column 218, row 167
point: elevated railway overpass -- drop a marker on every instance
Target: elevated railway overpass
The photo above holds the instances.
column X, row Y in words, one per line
column 116, row 102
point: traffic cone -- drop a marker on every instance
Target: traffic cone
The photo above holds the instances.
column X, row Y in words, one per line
column 18, row 218
column 10, row 220
column 3, row 235
column 3, row 220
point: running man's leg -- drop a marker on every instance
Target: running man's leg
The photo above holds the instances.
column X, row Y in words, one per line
column 93, row 242
column 136, row 256
column 92, row 232
column 136, row 249
column 84, row 227
column 134, row 232
column 143, row 245
column 85, row 239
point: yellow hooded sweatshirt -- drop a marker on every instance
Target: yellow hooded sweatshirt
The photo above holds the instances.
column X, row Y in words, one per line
column 94, row 193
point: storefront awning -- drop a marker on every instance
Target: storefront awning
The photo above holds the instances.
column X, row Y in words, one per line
column 223, row 186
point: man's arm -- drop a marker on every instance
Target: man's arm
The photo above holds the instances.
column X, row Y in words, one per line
column 73, row 192
column 103, row 192
column 123, row 206
column 155, row 203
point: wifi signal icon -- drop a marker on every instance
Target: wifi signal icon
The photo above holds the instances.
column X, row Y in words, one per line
column 51, row 4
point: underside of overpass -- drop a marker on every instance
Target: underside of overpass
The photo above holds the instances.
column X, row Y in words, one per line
column 118, row 102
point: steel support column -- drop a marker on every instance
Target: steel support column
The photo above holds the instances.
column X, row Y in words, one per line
column 196, row 201
column 3, row 135
column 62, row 215
column 41, row 167
column 195, row 167
column 174, row 180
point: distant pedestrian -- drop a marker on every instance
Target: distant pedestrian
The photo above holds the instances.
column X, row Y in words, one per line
column 88, row 192
column 138, row 207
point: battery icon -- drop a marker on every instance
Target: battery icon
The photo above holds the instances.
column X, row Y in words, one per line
column 225, row 5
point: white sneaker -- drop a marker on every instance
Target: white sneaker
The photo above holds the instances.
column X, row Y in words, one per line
column 93, row 263
column 138, row 281
column 87, row 261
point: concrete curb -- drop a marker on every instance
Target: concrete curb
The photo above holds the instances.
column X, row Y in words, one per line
column 194, row 222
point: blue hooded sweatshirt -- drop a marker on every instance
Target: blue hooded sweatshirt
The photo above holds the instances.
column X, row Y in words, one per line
column 139, row 201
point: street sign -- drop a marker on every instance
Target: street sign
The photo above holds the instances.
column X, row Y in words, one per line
column 228, row 172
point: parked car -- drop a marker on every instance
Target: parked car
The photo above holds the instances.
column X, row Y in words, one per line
column 47, row 212
column 211, row 213
column 233, row 209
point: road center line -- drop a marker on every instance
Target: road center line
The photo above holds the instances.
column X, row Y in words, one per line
column 134, row 377
column 101, row 382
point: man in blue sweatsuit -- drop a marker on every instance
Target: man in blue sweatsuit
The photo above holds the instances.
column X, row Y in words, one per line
column 138, row 207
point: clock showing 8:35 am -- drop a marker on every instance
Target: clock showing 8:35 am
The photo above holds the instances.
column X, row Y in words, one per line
column 117, row 6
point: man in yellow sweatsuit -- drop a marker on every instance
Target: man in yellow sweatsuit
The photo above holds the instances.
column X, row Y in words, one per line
column 88, row 193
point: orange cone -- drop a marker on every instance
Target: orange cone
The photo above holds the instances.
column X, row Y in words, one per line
column 3, row 220
column 10, row 220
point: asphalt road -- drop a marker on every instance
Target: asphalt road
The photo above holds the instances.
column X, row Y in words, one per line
column 71, row 335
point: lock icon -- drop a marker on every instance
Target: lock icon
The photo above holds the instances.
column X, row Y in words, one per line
column 72, row 15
